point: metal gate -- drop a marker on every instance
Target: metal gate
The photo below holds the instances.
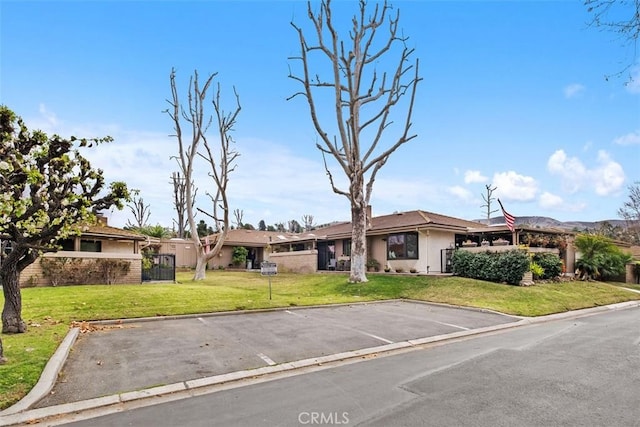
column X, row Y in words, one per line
column 162, row 267
column 446, row 258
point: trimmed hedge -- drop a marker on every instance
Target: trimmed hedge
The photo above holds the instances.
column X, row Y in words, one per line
column 498, row 267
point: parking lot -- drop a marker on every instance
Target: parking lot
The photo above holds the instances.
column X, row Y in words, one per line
column 133, row 356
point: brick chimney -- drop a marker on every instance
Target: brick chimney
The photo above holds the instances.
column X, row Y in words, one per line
column 101, row 220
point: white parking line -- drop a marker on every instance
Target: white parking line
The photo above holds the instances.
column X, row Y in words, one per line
column 266, row 359
column 291, row 312
column 202, row 320
column 452, row 325
column 351, row 329
column 376, row 337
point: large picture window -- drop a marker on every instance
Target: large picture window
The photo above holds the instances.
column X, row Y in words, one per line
column 402, row 246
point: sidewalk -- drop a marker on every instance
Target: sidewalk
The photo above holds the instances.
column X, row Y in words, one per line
column 146, row 358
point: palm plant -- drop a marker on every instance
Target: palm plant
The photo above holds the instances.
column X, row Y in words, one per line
column 600, row 258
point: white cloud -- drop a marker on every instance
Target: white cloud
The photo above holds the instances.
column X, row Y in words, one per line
column 550, row 201
column 573, row 90
column 606, row 178
column 632, row 138
column 472, row 176
column 609, row 176
column 513, row 186
column 460, row 192
column 572, row 170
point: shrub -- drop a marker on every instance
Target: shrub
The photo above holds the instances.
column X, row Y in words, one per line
column 70, row 271
column 239, row 255
column 65, row 271
column 491, row 266
column 110, row 270
column 550, row 263
column 600, row 258
column 537, row 270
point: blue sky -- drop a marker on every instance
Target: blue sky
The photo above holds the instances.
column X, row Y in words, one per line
column 513, row 94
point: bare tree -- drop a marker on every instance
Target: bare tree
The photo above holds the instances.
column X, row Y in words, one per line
column 487, row 202
column 180, row 202
column 621, row 17
column 140, row 213
column 630, row 212
column 238, row 214
column 307, row 220
column 219, row 166
column 363, row 102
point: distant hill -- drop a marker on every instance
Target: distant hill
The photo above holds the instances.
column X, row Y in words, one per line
column 546, row 222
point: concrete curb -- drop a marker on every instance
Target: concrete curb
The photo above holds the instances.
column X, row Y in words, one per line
column 20, row 414
column 48, row 377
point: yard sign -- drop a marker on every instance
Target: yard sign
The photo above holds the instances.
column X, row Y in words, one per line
column 269, row 269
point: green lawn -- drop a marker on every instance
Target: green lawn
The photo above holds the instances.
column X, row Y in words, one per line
column 49, row 311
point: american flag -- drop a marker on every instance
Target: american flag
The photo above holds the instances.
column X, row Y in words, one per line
column 508, row 218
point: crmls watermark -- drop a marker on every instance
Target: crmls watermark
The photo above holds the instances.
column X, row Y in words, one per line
column 323, row 418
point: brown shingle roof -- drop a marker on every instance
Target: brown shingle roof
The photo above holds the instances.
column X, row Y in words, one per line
column 256, row 238
column 393, row 223
column 403, row 220
column 113, row 232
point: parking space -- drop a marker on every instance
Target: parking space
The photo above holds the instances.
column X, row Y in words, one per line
column 145, row 354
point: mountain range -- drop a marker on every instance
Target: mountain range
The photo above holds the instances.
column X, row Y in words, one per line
column 546, row 222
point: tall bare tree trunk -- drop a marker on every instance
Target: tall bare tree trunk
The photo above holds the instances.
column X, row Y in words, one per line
column 201, row 269
column 364, row 97
column 358, row 244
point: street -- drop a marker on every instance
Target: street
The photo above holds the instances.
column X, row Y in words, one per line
column 583, row 371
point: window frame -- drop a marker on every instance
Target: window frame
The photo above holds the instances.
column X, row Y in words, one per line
column 404, row 244
column 346, row 247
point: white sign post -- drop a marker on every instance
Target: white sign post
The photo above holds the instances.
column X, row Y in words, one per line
column 269, row 269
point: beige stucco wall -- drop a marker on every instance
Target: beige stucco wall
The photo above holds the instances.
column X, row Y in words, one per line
column 377, row 249
column 113, row 246
column 430, row 244
column 630, row 276
column 183, row 249
column 223, row 259
column 296, row 262
column 32, row 275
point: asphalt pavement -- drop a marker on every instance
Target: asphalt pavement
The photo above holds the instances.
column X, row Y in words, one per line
column 107, row 363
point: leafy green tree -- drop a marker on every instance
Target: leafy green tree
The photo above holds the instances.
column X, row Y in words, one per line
column 599, row 257
column 157, row 231
column 204, row 229
column 262, row 226
column 239, row 255
column 48, row 190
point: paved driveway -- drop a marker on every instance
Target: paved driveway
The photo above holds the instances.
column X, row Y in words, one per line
column 135, row 356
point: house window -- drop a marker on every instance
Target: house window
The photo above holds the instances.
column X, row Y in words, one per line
column 402, row 246
column 90, row 246
column 346, row 247
column 67, row 244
